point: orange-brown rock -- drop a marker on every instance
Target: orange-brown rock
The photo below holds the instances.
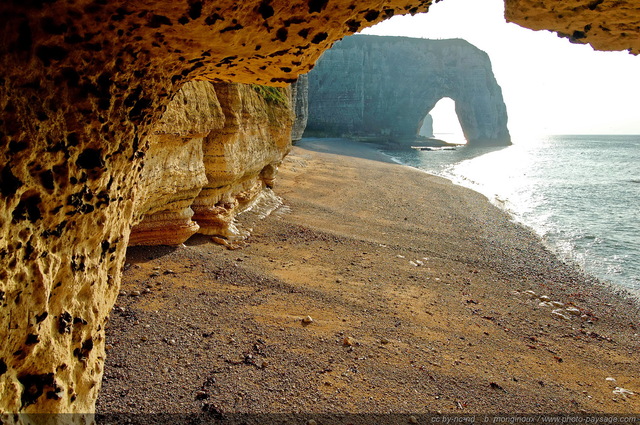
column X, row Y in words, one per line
column 172, row 178
column 82, row 85
column 606, row 25
column 174, row 171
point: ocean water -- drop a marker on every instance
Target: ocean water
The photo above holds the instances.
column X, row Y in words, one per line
column 581, row 194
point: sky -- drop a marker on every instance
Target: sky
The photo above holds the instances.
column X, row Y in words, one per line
column 550, row 86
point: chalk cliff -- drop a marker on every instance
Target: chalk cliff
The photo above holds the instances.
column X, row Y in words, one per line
column 383, row 87
column 242, row 158
column 217, row 146
column 426, row 128
column 82, row 86
column 300, row 99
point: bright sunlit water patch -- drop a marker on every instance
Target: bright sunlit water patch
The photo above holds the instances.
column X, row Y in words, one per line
column 580, row 193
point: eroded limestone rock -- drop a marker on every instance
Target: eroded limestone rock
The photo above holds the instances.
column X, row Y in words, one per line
column 224, row 137
column 174, row 172
column 383, row 87
column 606, row 25
column 242, row 158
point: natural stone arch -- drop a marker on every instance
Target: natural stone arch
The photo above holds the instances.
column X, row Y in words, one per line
column 81, row 85
column 435, row 121
column 383, row 87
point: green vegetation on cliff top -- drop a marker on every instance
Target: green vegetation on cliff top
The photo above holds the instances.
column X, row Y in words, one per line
column 271, row 94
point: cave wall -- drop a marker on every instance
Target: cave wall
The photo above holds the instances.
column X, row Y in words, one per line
column 383, row 87
column 82, row 85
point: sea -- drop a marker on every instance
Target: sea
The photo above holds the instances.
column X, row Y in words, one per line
column 579, row 193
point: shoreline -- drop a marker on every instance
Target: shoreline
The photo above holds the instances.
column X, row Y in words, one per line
column 567, row 257
column 414, row 310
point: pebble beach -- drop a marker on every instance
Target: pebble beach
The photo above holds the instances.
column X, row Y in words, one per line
column 372, row 288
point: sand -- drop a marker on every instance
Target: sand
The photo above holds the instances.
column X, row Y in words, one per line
column 423, row 297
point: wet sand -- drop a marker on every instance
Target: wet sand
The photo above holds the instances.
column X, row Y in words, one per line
column 423, row 297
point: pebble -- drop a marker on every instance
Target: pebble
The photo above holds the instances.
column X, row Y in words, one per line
column 573, row 311
column 146, row 291
column 610, row 379
column 307, row 320
column 384, row 341
column 560, row 313
column 171, row 342
column 623, row 392
column 312, row 422
column 413, row 263
column 544, row 298
column 545, row 304
column 135, row 293
column 348, row 341
column 531, row 293
column 557, row 304
column 413, row 419
column 123, row 293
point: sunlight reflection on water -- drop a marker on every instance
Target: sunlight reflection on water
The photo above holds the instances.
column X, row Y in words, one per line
column 576, row 192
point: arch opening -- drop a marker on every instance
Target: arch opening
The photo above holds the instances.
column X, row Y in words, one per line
column 445, row 123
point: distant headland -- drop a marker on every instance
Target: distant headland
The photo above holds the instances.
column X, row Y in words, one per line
column 383, row 88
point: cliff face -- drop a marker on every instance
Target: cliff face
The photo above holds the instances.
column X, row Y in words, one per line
column 214, row 150
column 174, row 172
column 82, row 86
column 242, row 158
column 385, row 86
column 300, row 98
